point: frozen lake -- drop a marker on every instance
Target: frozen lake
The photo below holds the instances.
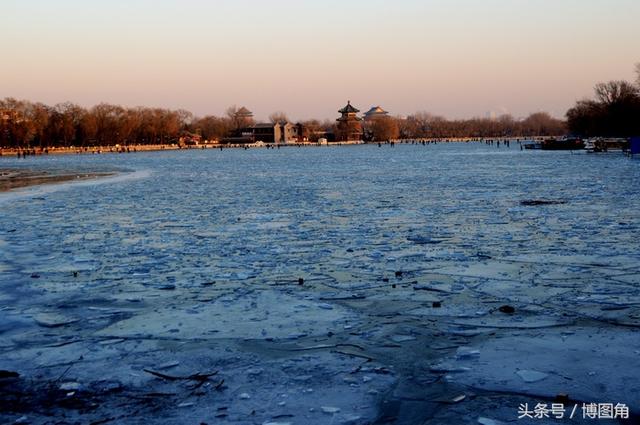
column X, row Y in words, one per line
column 189, row 262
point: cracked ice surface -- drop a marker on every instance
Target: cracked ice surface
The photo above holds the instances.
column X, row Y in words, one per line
column 191, row 264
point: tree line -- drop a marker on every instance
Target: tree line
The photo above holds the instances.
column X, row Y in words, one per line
column 425, row 125
column 614, row 112
column 25, row 124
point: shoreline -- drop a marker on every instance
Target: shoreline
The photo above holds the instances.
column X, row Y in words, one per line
column 86, row 150
column 97, row 150
column 11, row 179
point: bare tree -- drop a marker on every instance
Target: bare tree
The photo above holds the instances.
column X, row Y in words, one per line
column 615, row 92
column 585, row 117
column 417, row 125
column 17, row 128
column 211, row 127
column 638, row 75
column 129, row 122
column 310, row 128
column 185, row 117
column 278, row 117
column 232, row 114
column 238, row 119
column 541, row 124
column 440, row 127
column 88, row 129
column 385, row 128
column 38, row 115
column 64, row 123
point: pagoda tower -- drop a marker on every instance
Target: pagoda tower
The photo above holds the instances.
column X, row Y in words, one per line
column 242, row 118
column 349, row 127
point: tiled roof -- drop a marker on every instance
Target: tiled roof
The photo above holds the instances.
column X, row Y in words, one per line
column 348, row 109
column 244, row 111
column 376, row 110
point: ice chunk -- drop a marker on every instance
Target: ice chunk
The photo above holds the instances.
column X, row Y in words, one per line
column 487, row 421
column 168, row 365
column 70, row 386
column 531, row 375
column 402, row 338
column 350, row 419
column 444, row 367
column 111, row 341
column 53, row 320
column 466, row 352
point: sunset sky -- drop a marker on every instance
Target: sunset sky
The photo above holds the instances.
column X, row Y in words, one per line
column 457, row 58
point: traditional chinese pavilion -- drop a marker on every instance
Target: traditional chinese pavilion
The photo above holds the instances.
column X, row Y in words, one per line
column 375, row 112
column 349, row 127
column 242, row 118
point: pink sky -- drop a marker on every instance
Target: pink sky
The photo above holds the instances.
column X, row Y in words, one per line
column 457, row 58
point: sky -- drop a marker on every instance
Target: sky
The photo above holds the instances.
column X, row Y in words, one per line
column 455, row 58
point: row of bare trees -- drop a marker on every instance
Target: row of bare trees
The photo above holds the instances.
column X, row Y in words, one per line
column 615, row 111
column 25, row 124
column 425, row 125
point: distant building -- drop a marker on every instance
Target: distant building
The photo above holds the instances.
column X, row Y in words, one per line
column 349, row 127
column 189, row 139
column 242, row 118
column 375, row 112
column 280, row 132
column 244, row 113
column 266, row 133
column 290, row 133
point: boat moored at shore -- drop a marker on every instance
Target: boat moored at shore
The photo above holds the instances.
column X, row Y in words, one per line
column 599, row 144
column 562, row 144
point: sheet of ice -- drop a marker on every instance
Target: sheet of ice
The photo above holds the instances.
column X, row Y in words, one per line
column 256, row 315
column 590, row 364
column 406, row 256
column 531, row 375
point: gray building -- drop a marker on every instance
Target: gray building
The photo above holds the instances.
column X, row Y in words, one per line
column 280, row 132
